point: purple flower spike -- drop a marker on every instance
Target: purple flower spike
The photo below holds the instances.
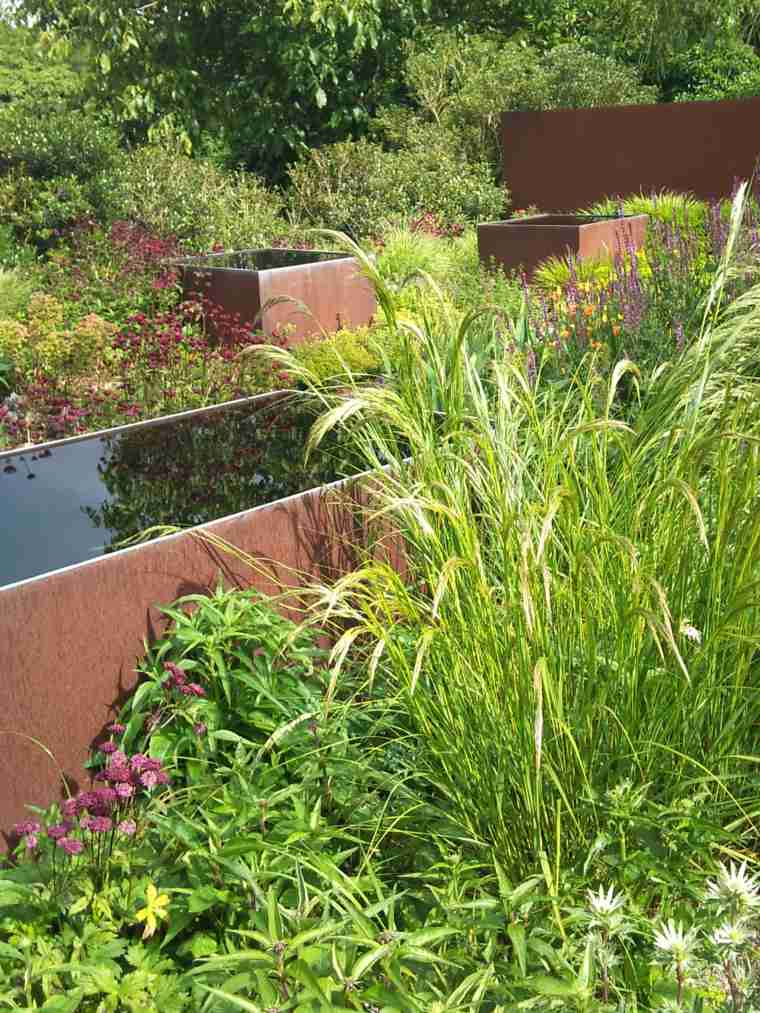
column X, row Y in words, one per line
column 70, row 845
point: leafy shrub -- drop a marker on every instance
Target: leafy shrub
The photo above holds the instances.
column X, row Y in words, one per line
column 16, row 289
column 48, row 141
column 195, row 202
column 464, row 85
column 39, row 211
column 339, row 354
column 358, row 187
column 724, row 69
column 666, row 206
column 45, row 343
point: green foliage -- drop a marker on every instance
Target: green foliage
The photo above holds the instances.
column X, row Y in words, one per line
column 358, row 187
column 464, row 84
column 340, row 355
column 195, row 202
column 37, row 212
column 28, row 73
column 666, row 206
column 16, row 289
column 724, row 69
column 267, row 80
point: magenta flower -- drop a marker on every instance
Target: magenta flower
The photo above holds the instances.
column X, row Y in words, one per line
column 58, row 830
column 108, row 747
column 31, row 842
column 124, row 790
column 27, row 827
column 149, row 778
column 115, row 728
column 127, row 827
column 196, row 690
column 200, row 729
column 70, row 845
column 70, row 807
column 140, row 762
column 119, row 757
column 98, row 824
column 116, row 772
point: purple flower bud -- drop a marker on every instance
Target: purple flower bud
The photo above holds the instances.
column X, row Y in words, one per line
column 200, row 729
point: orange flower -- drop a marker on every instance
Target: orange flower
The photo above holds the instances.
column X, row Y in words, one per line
column 588, row 310
column 616, row 329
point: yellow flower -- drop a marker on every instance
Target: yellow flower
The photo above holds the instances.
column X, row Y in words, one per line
column 155, row 907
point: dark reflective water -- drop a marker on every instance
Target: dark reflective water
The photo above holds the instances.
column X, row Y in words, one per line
column 261, row 260
column 74, row 501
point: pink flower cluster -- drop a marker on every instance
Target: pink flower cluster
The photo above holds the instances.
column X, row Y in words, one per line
column 128, row 775
column 177, row 680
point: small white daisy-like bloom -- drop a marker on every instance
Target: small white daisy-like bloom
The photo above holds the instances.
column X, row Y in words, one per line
column 675, row 943
column 690, row 632
column 731, row 936
column 604, row 903
column 734, row 886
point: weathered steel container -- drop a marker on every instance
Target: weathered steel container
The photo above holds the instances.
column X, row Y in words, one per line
column 523, row 243
column 318, row 291
column 69, row 639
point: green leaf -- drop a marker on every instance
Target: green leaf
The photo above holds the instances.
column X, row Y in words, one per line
column 516, row 933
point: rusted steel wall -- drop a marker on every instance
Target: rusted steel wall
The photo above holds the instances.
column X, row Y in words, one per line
column 564, row 159
column 69, row 640
column 334, row 293
column 526, row 242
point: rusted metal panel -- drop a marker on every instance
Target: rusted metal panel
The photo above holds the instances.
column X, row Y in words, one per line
column 565, row 159
column 323, row 296
column 525, row 242
column 69, row 640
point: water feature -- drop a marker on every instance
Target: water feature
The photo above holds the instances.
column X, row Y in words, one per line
column 66, row 502
column 261, row 260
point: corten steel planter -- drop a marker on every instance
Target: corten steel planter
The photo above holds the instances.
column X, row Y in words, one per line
column 523, row 243
column 570, row 158
column 320, row 291
column 69, row 639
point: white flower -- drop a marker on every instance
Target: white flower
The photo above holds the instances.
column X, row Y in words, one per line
column 731, row 936
column 733, row 886
column 690, row 632
column 673, row 941
column 604, row 904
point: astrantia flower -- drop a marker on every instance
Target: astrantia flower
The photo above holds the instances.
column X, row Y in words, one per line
column 115, row 728
column 675, row 943
column 149, row 778
column 58, row 830
column 127, row 827
column 124, row 790
column 139, row 762
column 108, row 747
column 70, row 845
column 118, row 772
column 99, row 824
column 30, row 842
column 731, row 936
column 70, row 807
column 27, row 827
column 196, row 690
column 200, row 729
column 690, row 632
column 734, row 887
column 604, row 903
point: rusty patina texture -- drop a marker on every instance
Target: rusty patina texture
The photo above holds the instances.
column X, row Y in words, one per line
column 69, row 640
column 568, row 158
column 525, row 242
column 324, row 295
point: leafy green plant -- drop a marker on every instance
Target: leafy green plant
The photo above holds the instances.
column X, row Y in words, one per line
column 193, row 201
